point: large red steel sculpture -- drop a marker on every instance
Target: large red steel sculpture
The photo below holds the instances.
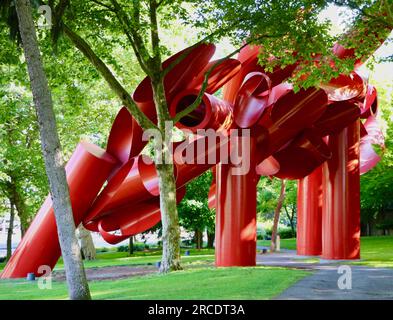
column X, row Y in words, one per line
column 316, row 135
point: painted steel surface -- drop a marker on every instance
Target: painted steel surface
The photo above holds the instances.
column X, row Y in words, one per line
column 87, row 170
column 309, row 214
column 293, row 135
column 341, row 196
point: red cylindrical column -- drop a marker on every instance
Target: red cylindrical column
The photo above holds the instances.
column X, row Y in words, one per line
column 309, row 214
column 236, row 215
column 341, row 196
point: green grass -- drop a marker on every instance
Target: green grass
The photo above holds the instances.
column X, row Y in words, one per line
column 374, row 251
column 112, row 258
column 207, row 283
column 284, row 243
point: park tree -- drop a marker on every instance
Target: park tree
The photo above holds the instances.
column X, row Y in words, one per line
column 86, row 243
column 194, row 212
column 54, row 163
column 268, row 201
column 280, row 202
column 290, row 205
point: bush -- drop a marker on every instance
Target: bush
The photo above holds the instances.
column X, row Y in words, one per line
column 137, row 247
column 286, row 233
column 385, row 225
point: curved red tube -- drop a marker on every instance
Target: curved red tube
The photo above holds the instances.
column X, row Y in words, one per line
column 87, row 170
column 306, row 153
column 212, row 113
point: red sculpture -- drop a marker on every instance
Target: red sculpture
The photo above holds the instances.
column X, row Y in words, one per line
column 314, row 135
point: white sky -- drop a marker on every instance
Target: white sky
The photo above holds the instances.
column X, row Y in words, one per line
column 383, row 72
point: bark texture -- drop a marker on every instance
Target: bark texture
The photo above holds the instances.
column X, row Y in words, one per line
column 165, row 170
column 131, row 246
column 20, row 205
column 10, row 231
column 54, row 163
column 273, row 245
column 210, row 239
column 86, row 243
column 198, row 236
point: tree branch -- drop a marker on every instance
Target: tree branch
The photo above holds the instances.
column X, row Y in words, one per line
column 184, row 54
column 103, row 5
column 113, row 83
column 131, row 31
column 57, row 19
column 155, row 41
column 354, row 6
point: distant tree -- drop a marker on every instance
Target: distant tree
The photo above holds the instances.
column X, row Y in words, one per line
column 273, row 245
column 86, row 243
column 268, row 195
column 290, row 204
column 194, row 212
column 10, row 231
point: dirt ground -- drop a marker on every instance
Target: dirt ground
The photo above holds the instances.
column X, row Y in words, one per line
column 110, row 273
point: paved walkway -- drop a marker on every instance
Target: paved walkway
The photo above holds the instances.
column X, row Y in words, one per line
column 367, row 283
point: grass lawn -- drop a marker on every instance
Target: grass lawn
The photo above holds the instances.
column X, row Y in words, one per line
column 113, row 258
column 206, row 283
column 374, row 251
column 284, row 243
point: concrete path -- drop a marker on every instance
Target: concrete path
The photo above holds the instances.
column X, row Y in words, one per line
column 322, row 284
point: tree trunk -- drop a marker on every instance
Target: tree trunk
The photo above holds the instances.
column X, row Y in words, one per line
column 54, row 163
column 86, row 243
column 131, row 246
column 10, row 230
column 277, row 216
column 210, row 239
column 169, row 219
column 167, row 183
column 20, row 206
column 290, row 218
column 198, row 239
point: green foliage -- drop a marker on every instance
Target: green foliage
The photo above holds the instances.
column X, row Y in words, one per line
column 291, row 31
column 376, row 185
column 385, row 225
column 137, row 247
column 284, row 232
column 194, row 213
column 268, row 192
column 21, row 164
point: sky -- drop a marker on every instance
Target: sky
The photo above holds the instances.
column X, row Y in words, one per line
column 383, row 72
column 338, row 17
